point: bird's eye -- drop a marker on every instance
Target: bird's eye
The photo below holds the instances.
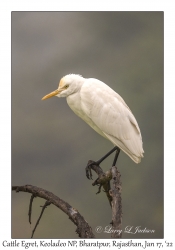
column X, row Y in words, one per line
column 66, row 86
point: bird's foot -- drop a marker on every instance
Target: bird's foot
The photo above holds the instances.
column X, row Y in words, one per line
column 89, row 167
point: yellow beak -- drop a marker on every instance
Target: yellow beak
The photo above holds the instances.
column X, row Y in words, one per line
column 56, row 92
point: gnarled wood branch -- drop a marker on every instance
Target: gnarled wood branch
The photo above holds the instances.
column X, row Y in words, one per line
column 115, row 193
column 83, row 228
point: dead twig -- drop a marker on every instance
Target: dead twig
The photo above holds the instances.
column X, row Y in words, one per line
column 30, row 207
column 47, row 203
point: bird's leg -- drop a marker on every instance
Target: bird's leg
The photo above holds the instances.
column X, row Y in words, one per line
column 116, row 156
column 104, row 157
column 97, row 163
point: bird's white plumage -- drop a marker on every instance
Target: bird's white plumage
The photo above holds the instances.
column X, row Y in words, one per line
column 104, row 110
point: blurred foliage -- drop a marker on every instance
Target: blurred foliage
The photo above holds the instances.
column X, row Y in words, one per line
column 51, row 146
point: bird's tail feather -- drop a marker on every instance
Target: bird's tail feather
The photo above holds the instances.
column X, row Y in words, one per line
column 118, row 143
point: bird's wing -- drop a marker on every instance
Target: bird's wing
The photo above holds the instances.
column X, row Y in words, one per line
column 111, row 115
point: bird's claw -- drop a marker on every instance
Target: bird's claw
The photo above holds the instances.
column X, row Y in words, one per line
column 88, row 172
column 88, row 169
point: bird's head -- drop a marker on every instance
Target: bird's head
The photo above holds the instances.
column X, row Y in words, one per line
column 68, row 85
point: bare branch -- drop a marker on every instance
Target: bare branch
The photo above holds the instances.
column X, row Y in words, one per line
column 113, row 195
column 83, row 228
column 30, row 207
column 115, row 192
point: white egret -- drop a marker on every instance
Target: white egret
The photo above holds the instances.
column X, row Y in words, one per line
column 105, row 111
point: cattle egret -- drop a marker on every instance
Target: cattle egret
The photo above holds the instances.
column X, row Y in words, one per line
column 105, row 111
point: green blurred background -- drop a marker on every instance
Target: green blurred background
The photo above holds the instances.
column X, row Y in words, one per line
column 51, row 146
